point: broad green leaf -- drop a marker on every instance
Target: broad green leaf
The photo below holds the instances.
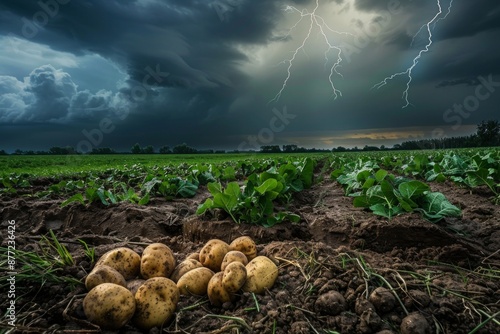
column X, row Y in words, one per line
column 363, row 175
column 381, row 210
column 412, row 189
column 297, row 185
column 233, row 189
column 208, row 204
column 368, row 183
column 435, row 206
column 268, row 185
column 388, row 191
column 380, row 175
column 186, row 189
column 214, row 188
column 361, row 202
column 375, row 195
column 336, row 173
column 229, row 174
column 307, row 174
column 225, row 202
column 148, row 186
column 479, row 178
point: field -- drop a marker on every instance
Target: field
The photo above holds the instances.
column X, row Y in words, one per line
column 425, row 226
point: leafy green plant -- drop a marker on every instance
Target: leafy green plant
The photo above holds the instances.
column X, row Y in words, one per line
column 256, row 201
column 253, row 205
column 387, row 195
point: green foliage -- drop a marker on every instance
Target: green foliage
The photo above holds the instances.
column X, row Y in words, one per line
column 256, row 202
column 388, row 195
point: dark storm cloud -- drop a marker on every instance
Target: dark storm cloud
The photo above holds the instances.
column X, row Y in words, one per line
column 189, row 39
column 191, row 45
column 50, row 95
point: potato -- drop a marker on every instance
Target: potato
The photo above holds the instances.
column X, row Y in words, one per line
column 109, row 305
column 245, row 245
column 212, row 254
column 104, row 274
column 195, row 282
column 233, row 256
column 156, row 301
column 184, row 267
column 217, row 293
column 157, row 261
column 124, row 260
column 133, row 285
column 235, row 275
column 261, row 275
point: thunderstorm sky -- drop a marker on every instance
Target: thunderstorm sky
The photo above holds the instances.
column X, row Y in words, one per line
column 238, row 74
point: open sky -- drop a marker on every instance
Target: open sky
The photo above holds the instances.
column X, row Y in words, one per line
column 238, row 74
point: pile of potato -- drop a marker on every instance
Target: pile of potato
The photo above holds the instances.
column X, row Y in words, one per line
column 123, row 286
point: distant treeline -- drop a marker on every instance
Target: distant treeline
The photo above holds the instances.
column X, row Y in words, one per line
column 487, row 135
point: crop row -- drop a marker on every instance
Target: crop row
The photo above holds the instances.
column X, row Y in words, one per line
column 466, row 168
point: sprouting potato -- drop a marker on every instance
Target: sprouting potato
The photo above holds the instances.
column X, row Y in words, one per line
column 246, row 245
column 157, row 261
column 124, row 260
column 261, row 275
column 217, row 293
column 195, row 281
column 233, row 256
column 235, row 275
column 104, row 274
column 184, row 267
column 156, row 301
column 109, row 305
column 212, row 254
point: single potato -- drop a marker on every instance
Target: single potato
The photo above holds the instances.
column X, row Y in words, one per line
column 195, row 282
column 212, row 254
column 246, row 245
column 217, row 293
column 124, row 260
column 233, row 256
column 157, row 261
column 109, row 306
column 261, row 275
column 155, row 301
column 104, row 274
column 184, row 267
column 235, row 275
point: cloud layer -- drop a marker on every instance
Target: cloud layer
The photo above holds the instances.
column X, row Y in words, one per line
column 204, row 72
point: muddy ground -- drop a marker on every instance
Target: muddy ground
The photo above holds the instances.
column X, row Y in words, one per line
column 446, row 272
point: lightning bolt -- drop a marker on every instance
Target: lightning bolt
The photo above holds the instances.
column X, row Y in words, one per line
column 429, row 26
column 319, row 22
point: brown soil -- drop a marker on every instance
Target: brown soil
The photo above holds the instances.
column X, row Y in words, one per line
column 447, row 272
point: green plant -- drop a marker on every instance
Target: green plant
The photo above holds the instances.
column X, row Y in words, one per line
column 63, row 255
column 387, row 195
column 89, row 252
